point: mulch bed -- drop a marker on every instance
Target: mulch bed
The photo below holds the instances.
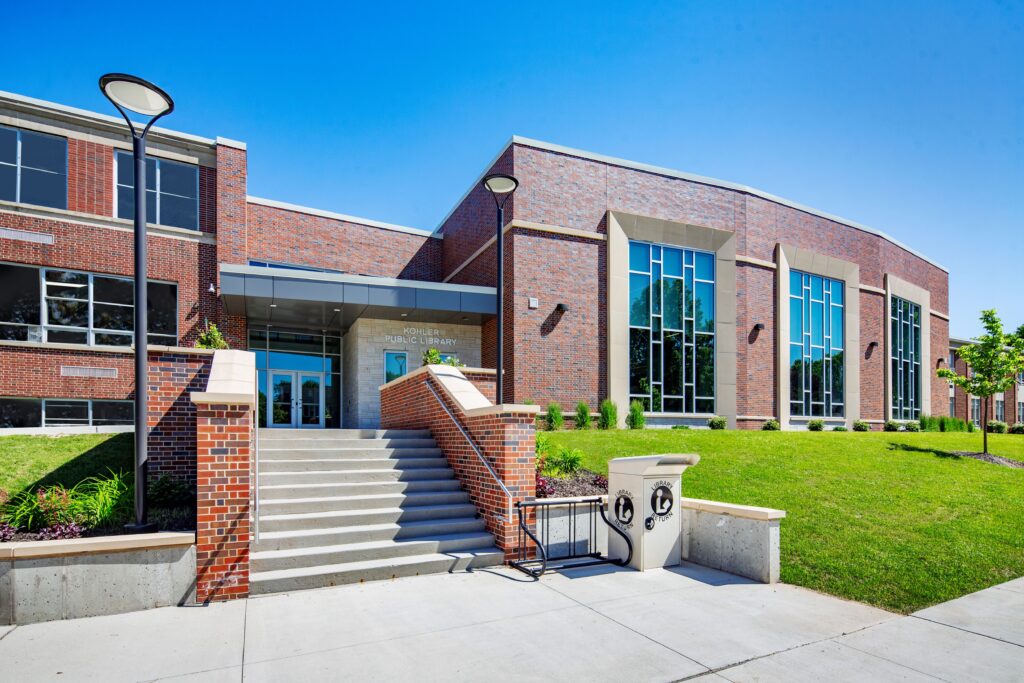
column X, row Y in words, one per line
column 583, row 483
column 989, row 458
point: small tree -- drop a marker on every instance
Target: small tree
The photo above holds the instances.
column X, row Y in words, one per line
column 211, row 338
column 994, row 360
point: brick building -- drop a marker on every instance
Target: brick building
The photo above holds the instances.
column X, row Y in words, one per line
column 697, row 297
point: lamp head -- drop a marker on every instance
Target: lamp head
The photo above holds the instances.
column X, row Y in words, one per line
column 500, row 184
column 136, row 94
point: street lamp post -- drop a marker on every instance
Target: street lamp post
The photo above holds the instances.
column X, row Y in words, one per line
column 501, row 187
column 141, row 97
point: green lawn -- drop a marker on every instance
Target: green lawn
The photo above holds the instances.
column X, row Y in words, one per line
column 890, row 519
column 32, row 461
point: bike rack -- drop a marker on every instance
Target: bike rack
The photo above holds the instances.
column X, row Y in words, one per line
column 587, row 556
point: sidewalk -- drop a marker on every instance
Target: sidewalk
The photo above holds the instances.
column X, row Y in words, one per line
column 596, row 624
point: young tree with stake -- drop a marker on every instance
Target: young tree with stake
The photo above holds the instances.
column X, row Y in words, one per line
column 995, row 358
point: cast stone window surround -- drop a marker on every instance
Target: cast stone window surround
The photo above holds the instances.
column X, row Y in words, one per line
column 789, row 258
column 623, row 227
column 901, row 289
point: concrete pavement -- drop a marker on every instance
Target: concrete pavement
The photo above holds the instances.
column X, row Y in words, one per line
column 596, row 624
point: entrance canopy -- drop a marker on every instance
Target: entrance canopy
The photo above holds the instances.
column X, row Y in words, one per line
column 334, row 300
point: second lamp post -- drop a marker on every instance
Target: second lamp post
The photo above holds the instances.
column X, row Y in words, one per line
column 501, row 187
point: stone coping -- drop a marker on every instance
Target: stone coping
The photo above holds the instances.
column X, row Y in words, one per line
column 23, row 550
column 741, row 511
column 463, row 392
column 125, row 350
column 232, row 379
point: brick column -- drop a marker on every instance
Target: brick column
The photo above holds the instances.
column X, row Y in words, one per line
column 225, row 456
column 224, row 452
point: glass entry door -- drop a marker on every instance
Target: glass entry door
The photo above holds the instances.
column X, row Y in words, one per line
column 296, row 399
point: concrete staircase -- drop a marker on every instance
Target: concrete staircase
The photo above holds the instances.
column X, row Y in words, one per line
column 341, row 506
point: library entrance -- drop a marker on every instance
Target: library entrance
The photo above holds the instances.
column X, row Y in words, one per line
column 296, row 399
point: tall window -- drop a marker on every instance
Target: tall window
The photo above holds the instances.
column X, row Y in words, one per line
column 1001, row 410
column 905, row 322
column 1020, row 412
column 73, row 307
column 952, row 407
column 671, row 328
column 33, row 168
column 976, row 411
column 172, row 191
column 816, row 346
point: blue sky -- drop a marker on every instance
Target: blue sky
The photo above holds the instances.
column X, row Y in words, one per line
column 909, row 119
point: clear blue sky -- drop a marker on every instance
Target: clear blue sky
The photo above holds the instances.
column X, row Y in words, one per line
column 908, row 119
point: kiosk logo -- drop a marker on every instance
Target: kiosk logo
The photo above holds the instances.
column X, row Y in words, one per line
column 624, row 510
column 662, row 500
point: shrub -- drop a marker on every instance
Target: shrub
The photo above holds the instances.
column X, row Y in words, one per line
column 600, row 481
column 545, row 489
column 7, row 532
column 996, row 427
column 970, row 427
column 582, row 415
column 609, row 415
column 816, row 425
column 555, row 419
column 103, row 502
column 636, row 419
column 168, row 492
column 718, row 422
column 32, row 510
column 930, row 424
column 840, row 428
column 1017, row 428
column 433, row 357
column 912, row 426
column 892, row 426
column 770, row 426
column 566, row 462
column 861, row 426
column 61, row 531
column 211, row 338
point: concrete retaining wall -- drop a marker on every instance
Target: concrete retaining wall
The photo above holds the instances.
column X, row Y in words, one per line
column 738, row 539
column 50, row 580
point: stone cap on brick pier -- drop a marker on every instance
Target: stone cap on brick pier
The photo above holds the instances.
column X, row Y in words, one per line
column 232, row 379
column 463, row 392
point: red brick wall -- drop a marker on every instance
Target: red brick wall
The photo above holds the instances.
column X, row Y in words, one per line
column 173, row 376
column 474, row 220
column 90, row 177
column 287, row 236
column 507, row 440
column 224, row 438
column 756, row 362
column 231, row 178
column 872, row 361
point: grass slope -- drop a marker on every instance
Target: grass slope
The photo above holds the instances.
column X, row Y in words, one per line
column 33, row 461
column 892, row 520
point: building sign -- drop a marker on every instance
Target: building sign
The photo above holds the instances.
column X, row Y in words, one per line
column 421, row 336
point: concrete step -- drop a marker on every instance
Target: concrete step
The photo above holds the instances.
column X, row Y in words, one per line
column 389, row 474
column 274, row 434
column 371, row 570
column 341, row 535
column 322, row 520
column 329, row 451
column 327, row 489
column 366, row 502
column 273, row 560
column 302, row 442
column 329, row 464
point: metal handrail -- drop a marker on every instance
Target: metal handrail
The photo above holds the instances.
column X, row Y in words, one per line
column 476, row 450
column 256, row 456
column 589, row 559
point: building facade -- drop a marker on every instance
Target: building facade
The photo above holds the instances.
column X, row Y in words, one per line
column 695, row 296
